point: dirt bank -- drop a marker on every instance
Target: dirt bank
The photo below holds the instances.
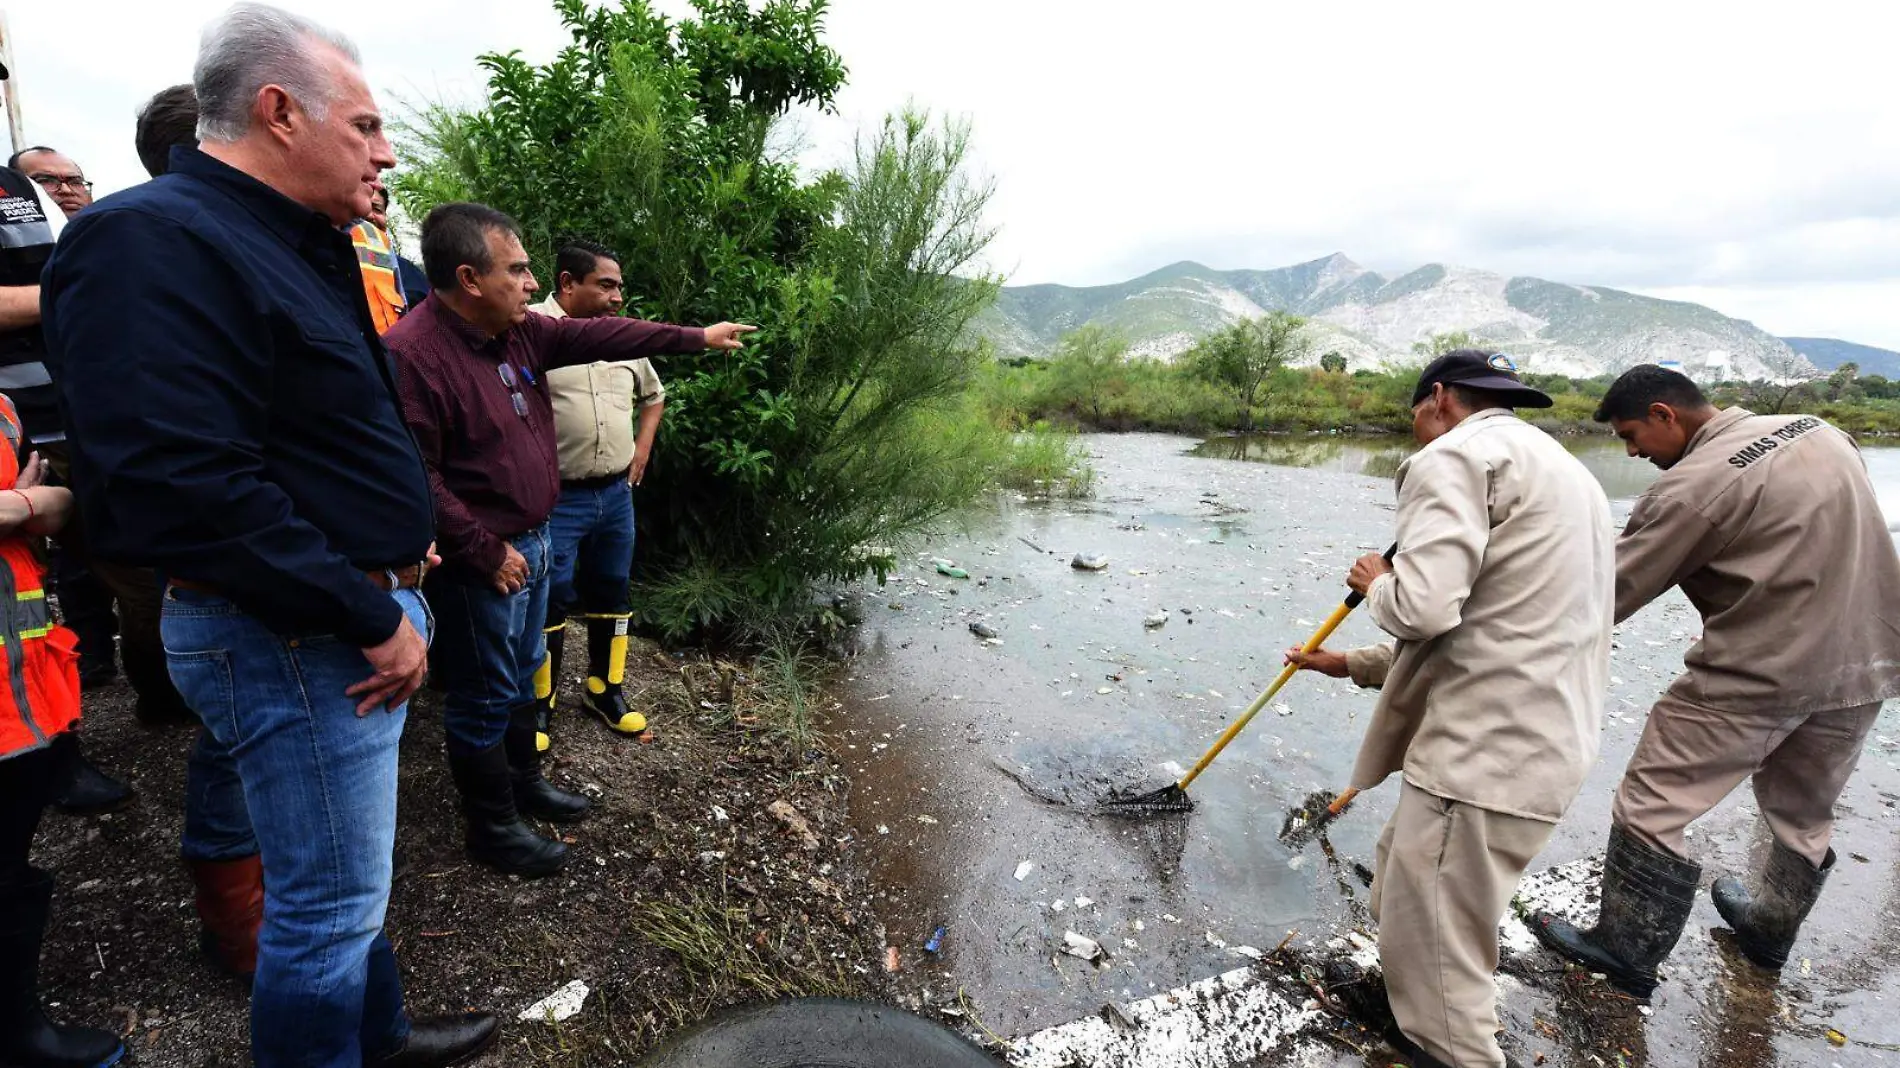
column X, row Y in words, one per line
column 685, row 892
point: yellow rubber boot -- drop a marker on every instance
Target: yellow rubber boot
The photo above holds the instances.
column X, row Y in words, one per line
column 606, row 671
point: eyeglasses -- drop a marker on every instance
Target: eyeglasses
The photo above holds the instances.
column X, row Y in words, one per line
column 52, row 182
column 514, row 390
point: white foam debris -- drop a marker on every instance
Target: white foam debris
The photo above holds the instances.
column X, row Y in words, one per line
column 1231, row 1019
column 1567, row 890
column 1023, row 870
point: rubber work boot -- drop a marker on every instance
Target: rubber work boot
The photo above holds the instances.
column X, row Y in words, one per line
column 1647, row 895
column 27, row 1038
column 547, row 683
column 90, row 792
column 606, row 671
column 440, row 1041
column 534, row 795
column 1766, row 923
column 230, row 900
column 496, row 835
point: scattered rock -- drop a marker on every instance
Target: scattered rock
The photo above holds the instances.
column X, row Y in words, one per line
column 1023, row 870
column 558, row 1006
column 1088, row 949
column 1089, row 561
column 984, row 630
column 794, row 822
column 1159, row 619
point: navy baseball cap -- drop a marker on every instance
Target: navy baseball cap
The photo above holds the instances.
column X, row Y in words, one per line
column 1493, row 372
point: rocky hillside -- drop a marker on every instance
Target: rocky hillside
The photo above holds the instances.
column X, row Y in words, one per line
column 1373, row 319
column 1828, row 353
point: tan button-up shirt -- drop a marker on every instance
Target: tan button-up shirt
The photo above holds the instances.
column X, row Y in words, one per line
column 1500, row 600
column 593, row 409
column 1770, row 525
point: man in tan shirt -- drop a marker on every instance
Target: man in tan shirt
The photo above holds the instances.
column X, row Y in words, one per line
column 602, row 458
column 1499, row 601
column 1770, row 526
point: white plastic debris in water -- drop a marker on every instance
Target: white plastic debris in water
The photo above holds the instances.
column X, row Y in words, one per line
column 1023, row 870
column 1230, row 1019
column 558, row 1006
column 1157, row 619
column 1089, row 561
column 1283, row 708
column 1215, row 941
column 1083, row 902
column 1082, row 946
column 1248, row 952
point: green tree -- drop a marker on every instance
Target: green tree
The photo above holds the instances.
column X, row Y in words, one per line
column 1333, row 363
column 1438, row 344
column 1844, row 383
column 1090, row 370
column 1243, row 356
column 840, row 426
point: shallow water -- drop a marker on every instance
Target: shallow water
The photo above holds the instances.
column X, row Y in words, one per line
column 1078, row 700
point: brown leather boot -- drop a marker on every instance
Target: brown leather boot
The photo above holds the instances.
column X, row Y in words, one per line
column 231, row 906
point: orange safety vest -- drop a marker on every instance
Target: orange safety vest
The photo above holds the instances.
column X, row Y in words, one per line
column 39, row 660
column 380, row 284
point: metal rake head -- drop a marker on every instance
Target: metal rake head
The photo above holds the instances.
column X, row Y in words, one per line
column 1167, row 801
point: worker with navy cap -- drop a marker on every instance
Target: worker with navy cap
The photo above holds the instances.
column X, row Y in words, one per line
column 1498, row 602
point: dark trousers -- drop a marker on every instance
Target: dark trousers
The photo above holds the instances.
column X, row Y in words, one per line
column 28, row 783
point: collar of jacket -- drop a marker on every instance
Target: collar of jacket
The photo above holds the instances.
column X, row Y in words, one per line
column 1728, row 418
column 470, row 334
column 293, row 223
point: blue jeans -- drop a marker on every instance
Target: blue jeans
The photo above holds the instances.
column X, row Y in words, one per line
column 487, row 646
column 217, row 819
column 320, row 783
column 591, row 534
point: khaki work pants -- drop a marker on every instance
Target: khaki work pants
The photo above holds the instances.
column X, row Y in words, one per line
column 1690, row 757
column 1445, row 876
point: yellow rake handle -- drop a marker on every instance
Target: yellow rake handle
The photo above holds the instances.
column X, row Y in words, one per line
column 1318, row 639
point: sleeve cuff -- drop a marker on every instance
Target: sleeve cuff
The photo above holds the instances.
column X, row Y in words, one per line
column 374, row 619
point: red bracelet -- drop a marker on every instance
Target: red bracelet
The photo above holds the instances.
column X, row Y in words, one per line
column 30, row 513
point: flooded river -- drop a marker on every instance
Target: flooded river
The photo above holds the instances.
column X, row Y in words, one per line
column 960, row 744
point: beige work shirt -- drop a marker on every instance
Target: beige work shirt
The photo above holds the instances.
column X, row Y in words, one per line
column 1770, row 525
column 1500, row 601
column 593, row 409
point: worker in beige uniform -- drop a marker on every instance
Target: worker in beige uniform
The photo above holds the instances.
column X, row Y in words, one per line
column 1499, row 602
column 602, row 457
column 1770, row 526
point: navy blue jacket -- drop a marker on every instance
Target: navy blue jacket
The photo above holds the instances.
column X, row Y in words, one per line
column 230, row 410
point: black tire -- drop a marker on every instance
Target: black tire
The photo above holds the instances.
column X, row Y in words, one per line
column 819, row 1033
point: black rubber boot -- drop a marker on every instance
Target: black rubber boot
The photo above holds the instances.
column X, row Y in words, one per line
column 442, row 1041
column 534, row 795
column 27, row 1038
column 1766, row 923
column 606, row 671
column 1647, row 895
column 496, row 835
column 90, row 792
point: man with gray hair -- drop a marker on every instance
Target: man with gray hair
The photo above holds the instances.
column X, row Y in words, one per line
column 233, row 423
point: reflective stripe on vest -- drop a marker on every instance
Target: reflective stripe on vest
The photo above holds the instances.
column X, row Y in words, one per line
column 24, row 376
column 380, row 284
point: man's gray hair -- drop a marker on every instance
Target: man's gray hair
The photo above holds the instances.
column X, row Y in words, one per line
column 254, row 45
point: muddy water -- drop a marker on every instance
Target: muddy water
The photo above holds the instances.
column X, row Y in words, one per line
column 965, row 750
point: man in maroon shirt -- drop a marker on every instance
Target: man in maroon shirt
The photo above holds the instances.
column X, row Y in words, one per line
column 471, row 362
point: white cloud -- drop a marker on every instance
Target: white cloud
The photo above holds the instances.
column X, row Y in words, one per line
column 1746, row 154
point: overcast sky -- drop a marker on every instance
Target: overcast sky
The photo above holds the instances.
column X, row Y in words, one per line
column 1740, row 156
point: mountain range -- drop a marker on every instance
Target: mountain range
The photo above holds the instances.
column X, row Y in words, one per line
column 1373, row 319
column 1828, row 353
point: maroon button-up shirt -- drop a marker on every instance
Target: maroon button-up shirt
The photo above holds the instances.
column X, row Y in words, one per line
column 490, row 456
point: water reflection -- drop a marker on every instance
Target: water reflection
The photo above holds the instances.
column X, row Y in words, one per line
column 1379, row 457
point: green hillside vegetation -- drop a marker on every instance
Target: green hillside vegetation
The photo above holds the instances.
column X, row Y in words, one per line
column 1092, row 383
